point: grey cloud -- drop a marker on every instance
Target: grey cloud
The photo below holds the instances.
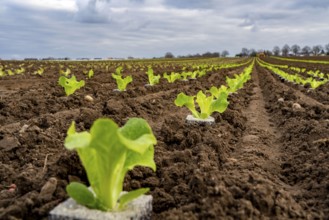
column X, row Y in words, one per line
column 324, row 4
column 190, row 4
column 93, row 11
column 147, row 28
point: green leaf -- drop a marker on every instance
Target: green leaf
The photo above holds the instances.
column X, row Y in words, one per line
column 137, row 135
column 118, row 70
column 77, row 140
column 81, row 194
column 188, row 101
column 220, row 104
column 204, row 103
column 126, row 198
column 216, row 92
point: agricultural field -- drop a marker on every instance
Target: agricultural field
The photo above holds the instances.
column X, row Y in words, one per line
column 265, row 157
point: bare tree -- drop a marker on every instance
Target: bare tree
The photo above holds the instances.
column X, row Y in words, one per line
column 244, row 52
column 276, row 50
column 306, row 50
column 295, row 49
column 285, row 50
column 225, row 53
column 252, row 52
column 169, row 55
column 316, row 49
column 327, row 48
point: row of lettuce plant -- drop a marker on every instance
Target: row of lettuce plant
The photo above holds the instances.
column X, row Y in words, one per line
column 215, row 99
column 294, row 78
column 314, row 73
column 301, row 60
column 196, row 72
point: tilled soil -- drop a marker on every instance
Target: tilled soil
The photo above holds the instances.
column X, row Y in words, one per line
column 266, row 157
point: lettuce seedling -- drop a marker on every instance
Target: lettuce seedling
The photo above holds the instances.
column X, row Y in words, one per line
column 172, row 77
column 219, row 92
column 194, row 74
column 207, row 105
column 65, row 73
column 122, row 83
column 202, row 73
column 20, row 71
column 70, row 85
column 185, row 75
column 39, row 71
column 10, row 73
column 151, row 77
column 107, row 153
column 315, row 84
column 90, row 73
column 2, row 72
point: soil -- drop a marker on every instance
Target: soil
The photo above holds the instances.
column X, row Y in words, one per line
column 266, row 157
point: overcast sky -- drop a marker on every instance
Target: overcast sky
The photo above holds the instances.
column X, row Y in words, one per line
column 148, row 28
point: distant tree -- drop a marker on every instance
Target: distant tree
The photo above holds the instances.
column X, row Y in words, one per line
column 327, row 48
column 252, row 53
column 268, row 53
column 276, row 50
column 169, row 55
column 316, row 49
column 209, row 54
column 244, row 52
column 285, row 50
column 206, row 54
column 295, row 49
column 306, row 50
column 216, row 54
column 225, row 53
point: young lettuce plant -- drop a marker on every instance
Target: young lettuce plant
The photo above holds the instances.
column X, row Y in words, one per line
column 184, row 75
column 39, row 71
column 207, row 105
column 219, row 92
column 315, row 84
column 2, row 72
column 202, row 73
column 122, row 83
column 90, row 73
column 153, row 79
column 107, row 154
column 70, row 85
column 194, row 74
column 10, row 72
column 172, row 77
column 65, row 73
column 20, row 71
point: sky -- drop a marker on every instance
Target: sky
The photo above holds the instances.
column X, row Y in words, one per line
column 150, row 28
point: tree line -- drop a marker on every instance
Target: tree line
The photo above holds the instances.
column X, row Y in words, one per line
column 298, row 50
column 287, row 50
column 224, row 53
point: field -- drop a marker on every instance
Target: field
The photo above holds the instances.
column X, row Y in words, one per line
column 266, row 156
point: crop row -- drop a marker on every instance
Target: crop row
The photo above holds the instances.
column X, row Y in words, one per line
column 302, row 61
column 294, row 78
